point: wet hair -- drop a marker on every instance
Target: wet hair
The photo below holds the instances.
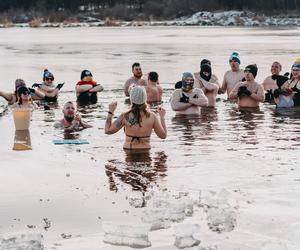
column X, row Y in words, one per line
column 153, row 76
column 136, row 64
column 136, row 110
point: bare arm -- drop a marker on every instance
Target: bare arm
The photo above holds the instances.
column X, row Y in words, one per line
column 223, row 88
column 83, row 88
column 234, row 92
column 259, row 96
column 126, row 86
column 97, row 88
column 210, row 86
column 201, row 100
column 7, row 96
column 159, row 127
column 113, row 127
column 175, row 102
column 46, row 88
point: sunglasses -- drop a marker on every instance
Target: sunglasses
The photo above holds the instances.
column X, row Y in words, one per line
column 49, row 79
column 25, row 93
column 295, row 69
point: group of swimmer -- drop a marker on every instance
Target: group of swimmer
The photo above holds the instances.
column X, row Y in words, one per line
column 191, row 93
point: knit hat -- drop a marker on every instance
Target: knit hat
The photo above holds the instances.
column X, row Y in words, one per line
column 22, row 90
column 85, row 73
column 19, row 83
column 252, row 68
column 186, row 75
column 205, row 61
column 235, row 57
column 138, row 95
column 296, row 64
column 47, row 74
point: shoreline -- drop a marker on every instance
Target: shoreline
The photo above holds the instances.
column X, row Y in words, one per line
column 202, row 18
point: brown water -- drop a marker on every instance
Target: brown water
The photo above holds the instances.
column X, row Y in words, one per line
column 77, row 187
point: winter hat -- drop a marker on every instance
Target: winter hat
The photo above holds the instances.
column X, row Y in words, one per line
column 186, row 75
column 47, row 74
column 85, row 73
column 296, row 64
column 205, row 61
column 252, row 68
column 138, row 95
column 19, row 83
column 235, row 57
column 23, row 90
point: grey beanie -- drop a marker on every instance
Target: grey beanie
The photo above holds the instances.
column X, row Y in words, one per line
column 138, row 95
column 186, row 75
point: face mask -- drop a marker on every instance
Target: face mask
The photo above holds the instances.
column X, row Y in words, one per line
column 187, row 86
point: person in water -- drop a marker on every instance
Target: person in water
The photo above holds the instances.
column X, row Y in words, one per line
column 294, row 82
column 72, row 121
column 232, row 76
column 272, row 82
column 24, row 99
column 136, row 79
column 153, row 89
column 249, row 93
column 12, row 98
column 138, row 121
column 87, row 89
column 48, row 87
column 207, row 81
column 187, row 100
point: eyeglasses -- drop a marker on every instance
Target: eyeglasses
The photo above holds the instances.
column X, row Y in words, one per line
column 295, row 69
column 49, row 79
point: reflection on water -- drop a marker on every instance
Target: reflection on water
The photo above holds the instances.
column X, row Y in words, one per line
column 22, row 140
column 139, row 170
column 195, row 127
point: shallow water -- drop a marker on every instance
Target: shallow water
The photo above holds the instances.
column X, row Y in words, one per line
column 65, row 192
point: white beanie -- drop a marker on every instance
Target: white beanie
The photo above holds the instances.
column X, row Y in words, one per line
column 138, row 95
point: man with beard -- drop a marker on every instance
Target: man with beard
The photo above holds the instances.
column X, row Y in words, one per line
column 249, row 93
column 207, row 81
column 232, row 76
column 188, row 99
column 136, row 79
column 72, row 120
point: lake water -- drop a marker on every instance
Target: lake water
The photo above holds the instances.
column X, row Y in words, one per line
column 78, row 188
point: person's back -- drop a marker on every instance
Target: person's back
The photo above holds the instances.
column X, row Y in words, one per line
column 138, row 122
column 153, row 89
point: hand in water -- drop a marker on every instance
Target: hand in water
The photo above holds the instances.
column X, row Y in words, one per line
column 112, row 107
column 161, row 111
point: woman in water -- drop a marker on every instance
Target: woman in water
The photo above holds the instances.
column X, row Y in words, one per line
column 138, row 122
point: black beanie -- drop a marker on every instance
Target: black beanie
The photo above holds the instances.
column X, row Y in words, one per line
column 252, row 68
column 85, row 73
column 205, row 61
